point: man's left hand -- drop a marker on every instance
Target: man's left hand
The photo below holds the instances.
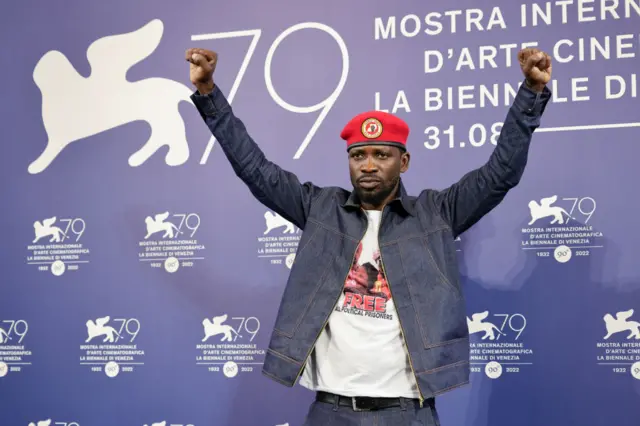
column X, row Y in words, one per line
column 536, row 67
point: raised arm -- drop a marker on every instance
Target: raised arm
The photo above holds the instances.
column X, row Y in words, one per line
column 465, row 202
column 274, row 187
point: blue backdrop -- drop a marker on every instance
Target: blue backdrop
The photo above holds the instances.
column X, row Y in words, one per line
column 141, row 279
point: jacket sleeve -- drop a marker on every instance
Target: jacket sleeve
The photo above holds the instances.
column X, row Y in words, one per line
column 274, row 187
column 465, row 202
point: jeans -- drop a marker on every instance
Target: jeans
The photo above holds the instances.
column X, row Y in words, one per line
column 408, row 414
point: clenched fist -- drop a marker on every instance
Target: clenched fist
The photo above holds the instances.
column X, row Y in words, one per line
column 536, row 66
column 202, row 64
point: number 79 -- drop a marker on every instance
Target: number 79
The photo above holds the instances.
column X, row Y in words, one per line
column 324, row 105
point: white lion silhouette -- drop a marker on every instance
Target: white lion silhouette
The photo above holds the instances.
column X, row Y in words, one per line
column 6, row 337
column 216, row 327
column 545, row 209
column 100, row 329
column 46, row 229
column 274, row 220
column 476, row 325
column 41, row 423
column 620, row 324
column 158, row 224
column 76, row 107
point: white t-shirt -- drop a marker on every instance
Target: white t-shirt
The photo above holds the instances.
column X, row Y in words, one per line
column 361, row 351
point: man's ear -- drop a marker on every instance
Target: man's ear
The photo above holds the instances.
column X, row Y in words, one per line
column 404, row 161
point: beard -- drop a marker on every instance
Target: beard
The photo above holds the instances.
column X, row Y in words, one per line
column 377, row 195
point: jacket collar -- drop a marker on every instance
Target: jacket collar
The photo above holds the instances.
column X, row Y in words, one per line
column 401, row 200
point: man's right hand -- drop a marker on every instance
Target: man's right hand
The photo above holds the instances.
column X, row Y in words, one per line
column 202, row 64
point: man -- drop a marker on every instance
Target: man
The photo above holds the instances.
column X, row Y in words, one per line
column 372, row 317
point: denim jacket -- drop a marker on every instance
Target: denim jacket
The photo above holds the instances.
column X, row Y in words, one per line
column 416, row 240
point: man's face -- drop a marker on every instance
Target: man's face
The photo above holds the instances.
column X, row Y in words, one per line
column 375, row 172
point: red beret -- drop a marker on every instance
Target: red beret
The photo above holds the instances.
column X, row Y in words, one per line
column 375, row 128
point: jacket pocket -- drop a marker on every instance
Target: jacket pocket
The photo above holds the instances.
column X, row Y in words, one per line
column 437, row 304
column 437, row 271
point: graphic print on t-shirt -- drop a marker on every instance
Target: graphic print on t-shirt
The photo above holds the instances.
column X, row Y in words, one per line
column 362, row 331
column 366, row 291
